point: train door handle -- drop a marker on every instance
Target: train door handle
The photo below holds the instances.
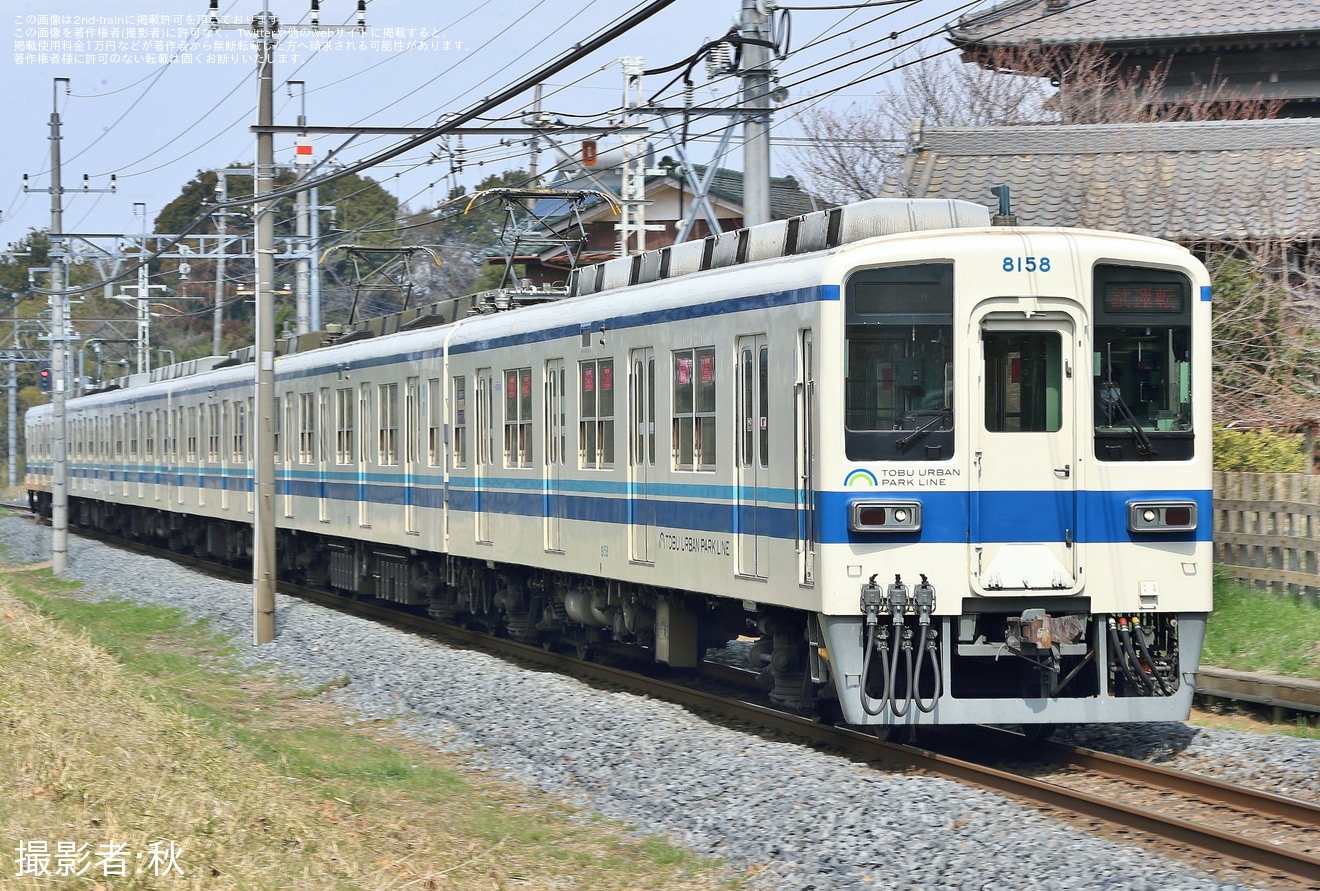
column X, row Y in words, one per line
column 1063, row 472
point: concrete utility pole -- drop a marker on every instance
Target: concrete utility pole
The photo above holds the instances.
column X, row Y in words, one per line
column 754, row 25
column 302, row 279
column 59, row 338
column 59, row 501
column 13, row 415
column 264, row 569
column 218, row 317
column 265, row 28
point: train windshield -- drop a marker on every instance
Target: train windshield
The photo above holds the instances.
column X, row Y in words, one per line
column 1141, row 364
column 898, row 363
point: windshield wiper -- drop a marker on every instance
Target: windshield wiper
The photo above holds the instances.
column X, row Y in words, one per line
column 911, row 437
column 1145, row 448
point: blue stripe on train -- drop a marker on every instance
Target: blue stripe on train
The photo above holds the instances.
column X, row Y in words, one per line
column 1002, row 516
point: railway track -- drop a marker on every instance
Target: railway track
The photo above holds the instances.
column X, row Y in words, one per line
column 1229, row 831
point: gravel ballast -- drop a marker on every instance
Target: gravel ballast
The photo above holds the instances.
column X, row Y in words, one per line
column 797, row 817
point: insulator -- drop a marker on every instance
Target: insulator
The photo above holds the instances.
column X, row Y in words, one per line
column 719, row 59
column 689, row 95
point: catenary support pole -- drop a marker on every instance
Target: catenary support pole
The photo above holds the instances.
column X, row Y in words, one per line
column 263, row 452
column 755, row 26
column 59, row 500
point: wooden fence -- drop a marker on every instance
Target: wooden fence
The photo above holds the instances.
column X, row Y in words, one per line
column 1267, row 530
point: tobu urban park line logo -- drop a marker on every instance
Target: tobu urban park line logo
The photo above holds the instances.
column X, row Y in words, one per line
column 694, row 544
column 860, row 478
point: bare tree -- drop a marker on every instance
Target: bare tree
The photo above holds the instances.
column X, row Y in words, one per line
column 850, row 154
column 1266, row 341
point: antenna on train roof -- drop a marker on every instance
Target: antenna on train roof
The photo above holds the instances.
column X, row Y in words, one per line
column 1005, row 217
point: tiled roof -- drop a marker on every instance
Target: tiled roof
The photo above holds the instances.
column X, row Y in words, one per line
column 786, row 196
column 1182, row 181
column 1119, row 21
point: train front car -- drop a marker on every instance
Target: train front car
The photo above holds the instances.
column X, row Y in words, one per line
column 1014, row 482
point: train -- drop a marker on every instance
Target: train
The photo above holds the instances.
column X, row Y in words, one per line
column 932, row 468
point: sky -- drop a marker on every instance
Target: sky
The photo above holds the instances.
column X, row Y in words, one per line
column 154, row 95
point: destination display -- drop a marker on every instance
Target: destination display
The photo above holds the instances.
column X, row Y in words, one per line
column 1138, row 297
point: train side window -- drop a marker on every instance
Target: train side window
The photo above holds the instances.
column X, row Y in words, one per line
column 460, row 423
column 556, row 434
column 344, row 425
column 898, row 363
column 306, row 428
column 387, row 428
column 694, row 409
column 596, row 414
column 1141, row 364
column 291, row 427
column 279, row 431
column 192, row 433
column 364, row 424
column 239, row 450
column 132, row 418
column 213, row 430
column 435, row 420
column 518, row 417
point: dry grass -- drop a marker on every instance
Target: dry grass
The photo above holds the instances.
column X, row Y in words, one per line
column 257, row 785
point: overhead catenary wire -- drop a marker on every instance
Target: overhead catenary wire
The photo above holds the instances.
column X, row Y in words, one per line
column 559, row 63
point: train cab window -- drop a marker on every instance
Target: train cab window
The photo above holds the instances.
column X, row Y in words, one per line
column 596, row 414
column 1141, row 366
column 694, row 409
column 898, row 363
column 1023, row 381
column 518, row 417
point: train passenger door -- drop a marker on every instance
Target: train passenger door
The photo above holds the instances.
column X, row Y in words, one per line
column 482, row 461
column 289, row 405
column 316, row 435
column 641, row 454
column 804, row 400
column 366, row 445
column 1023, row 520
column 751, row 521
column 555, row 444
column 411, row 440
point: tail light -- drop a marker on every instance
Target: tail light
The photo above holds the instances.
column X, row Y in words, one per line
column 1161, row 516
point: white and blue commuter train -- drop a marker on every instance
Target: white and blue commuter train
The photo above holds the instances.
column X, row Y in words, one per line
column 944, row 472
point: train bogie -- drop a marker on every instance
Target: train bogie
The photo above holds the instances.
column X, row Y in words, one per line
column 939, row 476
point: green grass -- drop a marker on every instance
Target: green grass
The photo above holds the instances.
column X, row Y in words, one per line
column 357, row 806
column 1258, row 631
